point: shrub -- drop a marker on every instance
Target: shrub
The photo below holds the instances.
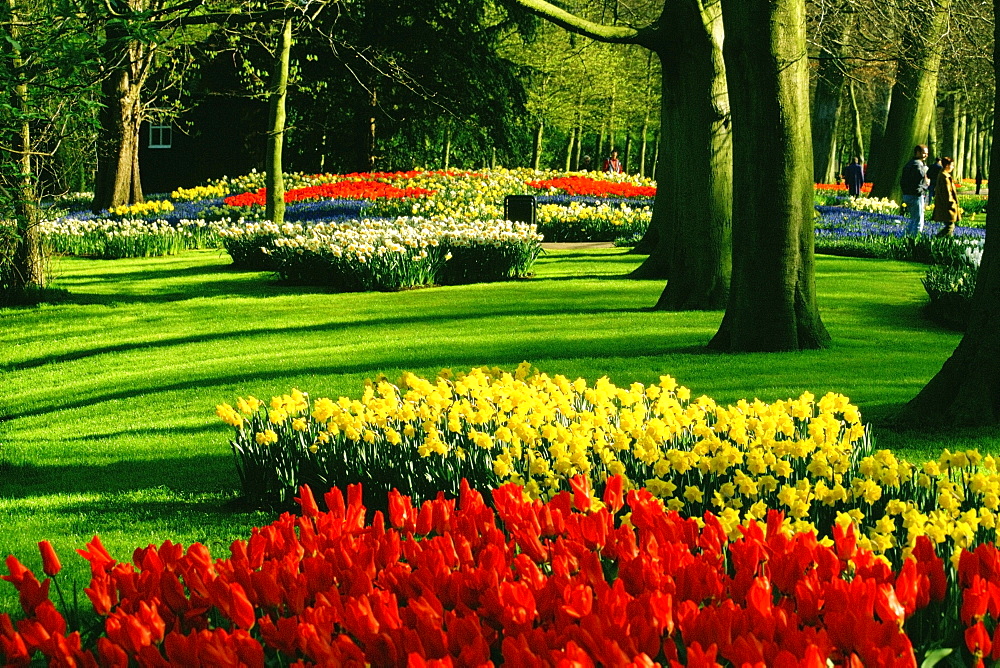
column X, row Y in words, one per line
column 113, row 239
column 8, row 245
column 381, row 254
column 951, row 281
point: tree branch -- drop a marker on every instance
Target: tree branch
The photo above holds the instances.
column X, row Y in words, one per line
column 580, row 26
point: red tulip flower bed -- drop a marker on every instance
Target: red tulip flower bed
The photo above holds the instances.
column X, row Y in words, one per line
column 337, row 190
column 865, row 187
column 582, row 185
column 528, row 583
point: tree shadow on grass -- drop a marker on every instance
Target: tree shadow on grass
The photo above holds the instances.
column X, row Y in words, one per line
column 329, row 327
column 196, row 474
column 510, row 354
column 902, row 316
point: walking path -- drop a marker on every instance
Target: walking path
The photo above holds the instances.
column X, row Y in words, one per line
column 574, row 245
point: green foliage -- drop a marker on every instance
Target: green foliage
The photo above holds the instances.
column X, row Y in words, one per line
column 950, row 283
column 8, row 243
column 923, row 249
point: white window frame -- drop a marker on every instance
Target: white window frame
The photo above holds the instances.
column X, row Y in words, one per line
column 161, row 135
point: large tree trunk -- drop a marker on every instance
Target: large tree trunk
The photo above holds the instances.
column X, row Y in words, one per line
column 828, row 99
column 117, row 182
column 966, row 391
column 913, row 96
column 28, row 265
column 772, row 301
column 274, row 180
column 694, row 211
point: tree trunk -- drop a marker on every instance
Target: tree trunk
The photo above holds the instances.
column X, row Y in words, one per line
column 446, row 149
column 963, row 128
column 536, row 152
column 578, row 150
column 772, row 301
column 913, row 96
column 656, row 151
column 966, row 391
column 570, row 143
column 827, row 101
column 858, row 134
column 694, row 212
column 932, row 135
column 970, row 148
column 880, row 114
column 627, row 158
column 28, row 261
column 274, row 181
column 643, row 143
column 117, row 181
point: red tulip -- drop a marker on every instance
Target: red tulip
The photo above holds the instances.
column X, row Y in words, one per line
column 50, row 562
column 977, row 639
column 613, row 493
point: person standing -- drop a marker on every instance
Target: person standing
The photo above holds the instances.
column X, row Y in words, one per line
column 913, row 182
column 932, row 175
column 946, row 209
column 612, row 164
column 854, row 177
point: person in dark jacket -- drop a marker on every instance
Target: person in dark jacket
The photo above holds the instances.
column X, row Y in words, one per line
column 913, row 182
column 932, row 174
column 946, row 209
column 854, row 177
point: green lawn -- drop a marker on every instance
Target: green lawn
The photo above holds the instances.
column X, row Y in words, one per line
column 107, row 418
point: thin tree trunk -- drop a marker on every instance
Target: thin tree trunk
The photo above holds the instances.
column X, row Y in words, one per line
column 446, row 149
column 570, row 143
column 969, row 154
column 772, row 301
column 274, row 181
column 828, row 100
column 859, row 136
column 963, row 126
column 913, row 96
column 643, row 143
column 28, row 262
column 656, row 151
column 627, row 158
column 932, row 135
column 578, row 151
column 536, row 153
column 955, row 126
